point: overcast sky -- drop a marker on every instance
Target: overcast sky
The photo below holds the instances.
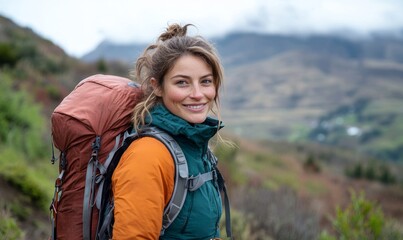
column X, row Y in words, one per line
column 78, row 26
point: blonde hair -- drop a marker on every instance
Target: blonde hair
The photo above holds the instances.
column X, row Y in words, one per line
column 159, row 58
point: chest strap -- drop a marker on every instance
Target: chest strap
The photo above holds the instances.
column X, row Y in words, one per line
column 194, row 183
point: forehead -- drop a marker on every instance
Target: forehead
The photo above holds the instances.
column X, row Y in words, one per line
column 190, row 65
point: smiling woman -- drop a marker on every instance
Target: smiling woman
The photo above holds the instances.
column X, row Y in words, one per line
column 180, row 76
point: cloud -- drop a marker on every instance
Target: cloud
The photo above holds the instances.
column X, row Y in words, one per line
column 78, row 26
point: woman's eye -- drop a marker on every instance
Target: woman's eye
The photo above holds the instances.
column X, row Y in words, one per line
column 207, row 81
column 181, row 83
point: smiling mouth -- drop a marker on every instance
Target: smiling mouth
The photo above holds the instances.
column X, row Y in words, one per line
column 195, row 106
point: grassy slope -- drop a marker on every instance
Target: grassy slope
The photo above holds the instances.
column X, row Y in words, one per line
column 285, row 96
column 276, row 164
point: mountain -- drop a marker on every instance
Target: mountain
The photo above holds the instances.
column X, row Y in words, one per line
column 119, row 52
column 307, row 88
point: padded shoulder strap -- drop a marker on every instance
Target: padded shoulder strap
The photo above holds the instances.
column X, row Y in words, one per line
column 181, row 174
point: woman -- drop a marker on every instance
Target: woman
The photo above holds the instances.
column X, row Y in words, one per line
column 181, row 77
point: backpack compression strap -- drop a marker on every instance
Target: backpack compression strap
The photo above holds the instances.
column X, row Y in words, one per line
column 89, row 190
column 94, row 176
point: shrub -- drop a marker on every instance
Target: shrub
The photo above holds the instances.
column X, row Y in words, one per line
column 386, row 176
column 226, row 155
column 311, row 164
column 361, row 219
column 278, row 214
column 53, row 92
column 239, row 224
column 369, row 172
column 101, row 65
column 8, row 227
column 24, row 177
column 21, row 122
column 373, row 172
column 8, row 55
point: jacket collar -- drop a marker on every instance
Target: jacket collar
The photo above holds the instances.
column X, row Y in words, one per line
column 198, row 133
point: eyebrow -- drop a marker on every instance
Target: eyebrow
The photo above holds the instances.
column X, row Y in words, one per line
column 186, row 76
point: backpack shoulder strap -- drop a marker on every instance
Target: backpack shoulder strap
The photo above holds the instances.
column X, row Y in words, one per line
column 181, row 174
column 221, row 185
column 179, row 194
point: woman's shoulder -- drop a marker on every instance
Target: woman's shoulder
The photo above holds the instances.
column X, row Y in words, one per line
column 148, row 147
column 145, row 156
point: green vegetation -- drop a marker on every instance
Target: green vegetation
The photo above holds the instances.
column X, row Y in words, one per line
column 239, row 224
column 361, row 219
column 227, row 155
column 32, row 179
column 369, row 126
column 22, row 158
column 311, row 164
column 273, row 214
column 101, row 66
column 8, row 55
column 8, row 227
column 372, row 171
column 21, row 121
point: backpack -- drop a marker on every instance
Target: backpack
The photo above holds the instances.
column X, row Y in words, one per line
column 91, row 128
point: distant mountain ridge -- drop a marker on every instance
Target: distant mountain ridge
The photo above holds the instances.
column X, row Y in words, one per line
column 240, row 48
column 291, row 87
column 108, row 50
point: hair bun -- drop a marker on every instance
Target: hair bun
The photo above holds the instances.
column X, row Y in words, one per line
column 174, row 30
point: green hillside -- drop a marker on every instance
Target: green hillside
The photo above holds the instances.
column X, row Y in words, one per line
column 305, row 96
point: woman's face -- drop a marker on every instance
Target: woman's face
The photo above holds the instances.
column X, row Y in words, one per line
column 188, row 89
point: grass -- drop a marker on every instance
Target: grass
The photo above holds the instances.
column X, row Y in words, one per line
column 33, row 180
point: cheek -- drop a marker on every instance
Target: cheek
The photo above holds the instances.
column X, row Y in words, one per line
column 174, row 96
column 211, row 93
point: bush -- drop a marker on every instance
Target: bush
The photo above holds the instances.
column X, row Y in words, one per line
column 102, row 66
column 239, row 224
column 8, row 55
column 386, row 176
column 373, row 172
column 226, row 155
column 278, row 214
column 24, row 177
column 9, row 229
column 21, row 122
column 361, row 219
column 311, row 164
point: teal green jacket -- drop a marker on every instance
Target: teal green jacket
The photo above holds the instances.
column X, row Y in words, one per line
column 201, row 212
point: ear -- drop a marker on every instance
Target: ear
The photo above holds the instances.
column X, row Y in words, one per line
column 156, row 87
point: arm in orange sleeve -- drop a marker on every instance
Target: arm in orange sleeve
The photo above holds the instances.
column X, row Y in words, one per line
column 142, row 185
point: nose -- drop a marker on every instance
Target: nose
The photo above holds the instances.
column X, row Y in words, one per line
column 196, row 92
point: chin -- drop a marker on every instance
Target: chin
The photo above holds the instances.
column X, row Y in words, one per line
column 196, row 121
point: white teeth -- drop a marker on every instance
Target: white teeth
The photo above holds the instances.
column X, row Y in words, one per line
column 194, row 106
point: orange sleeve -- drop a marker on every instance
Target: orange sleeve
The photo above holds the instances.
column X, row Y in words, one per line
column 142, row 185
